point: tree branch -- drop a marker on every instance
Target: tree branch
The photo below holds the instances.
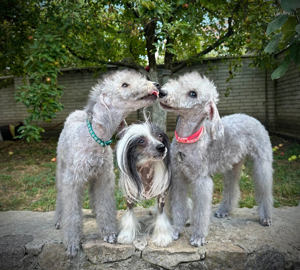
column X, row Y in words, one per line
column 7, row 17
column 150, row 39
column 207, row 50
column 133, row 11
column 215, row 45
column 168, row 55
column 117, row 63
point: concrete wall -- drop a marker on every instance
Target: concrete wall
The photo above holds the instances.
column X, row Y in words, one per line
column 275, row 104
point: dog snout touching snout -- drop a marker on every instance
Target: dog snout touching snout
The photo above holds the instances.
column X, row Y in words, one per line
column 160, row 148
column 162, row 93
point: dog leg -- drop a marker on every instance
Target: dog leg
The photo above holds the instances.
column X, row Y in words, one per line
column 58, row 210
column 178, row 201
column 163, row 230
column 59, row 199
column 72, row 216
column 231, row 192
column 92, row 196
column 190, row 209
column 105, row 205
column 202, row 191
column 263, row 181
column 129, row 225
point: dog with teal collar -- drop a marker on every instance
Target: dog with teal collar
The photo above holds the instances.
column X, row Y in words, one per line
column 84, row 154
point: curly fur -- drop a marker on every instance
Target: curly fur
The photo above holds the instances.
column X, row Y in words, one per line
column 223, row 146
column 80, row 159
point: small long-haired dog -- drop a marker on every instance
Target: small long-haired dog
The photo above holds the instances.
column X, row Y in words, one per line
column 143, row 156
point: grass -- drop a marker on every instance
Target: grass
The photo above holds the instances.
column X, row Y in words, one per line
column 27, row 178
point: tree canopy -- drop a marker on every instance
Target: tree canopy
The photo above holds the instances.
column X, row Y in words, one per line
column 37, row 38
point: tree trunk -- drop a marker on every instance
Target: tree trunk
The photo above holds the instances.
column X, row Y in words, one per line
column 158, row 115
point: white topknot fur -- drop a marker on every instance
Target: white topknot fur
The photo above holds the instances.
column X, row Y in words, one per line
column 161, row 175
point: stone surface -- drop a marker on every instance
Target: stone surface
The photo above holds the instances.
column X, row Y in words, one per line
column 28, row 240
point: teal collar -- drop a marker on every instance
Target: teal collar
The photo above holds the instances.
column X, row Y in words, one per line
column 94, row 136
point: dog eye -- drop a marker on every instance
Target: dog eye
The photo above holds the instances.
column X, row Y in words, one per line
column 141, row 141
column 125, row 85
column 193, row 94
column 160, row 135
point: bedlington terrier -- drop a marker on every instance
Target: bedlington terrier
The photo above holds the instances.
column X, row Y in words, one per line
column 143, row 156
column 83, row 157
column 205, row 144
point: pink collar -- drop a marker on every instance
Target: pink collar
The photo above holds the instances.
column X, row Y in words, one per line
column 191, row 139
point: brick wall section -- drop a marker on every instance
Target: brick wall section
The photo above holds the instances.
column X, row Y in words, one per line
column 288, row 101
column 271, row 102
column 77, row 83
column 275, row 104
column 10, row 111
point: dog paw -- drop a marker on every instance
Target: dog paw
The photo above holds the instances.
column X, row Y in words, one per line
column 175, row 234
column 197, row 241
column 266, row 222
column 110, row 238
column 162, row 238
column 221, row 214
column 125, row 237
column 57, row 225
column 73, row 248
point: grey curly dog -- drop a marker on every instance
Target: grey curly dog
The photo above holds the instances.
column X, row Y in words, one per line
column 84, row 154
column 206, row 144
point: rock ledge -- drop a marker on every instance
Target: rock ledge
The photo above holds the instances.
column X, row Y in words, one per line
column 28, row 240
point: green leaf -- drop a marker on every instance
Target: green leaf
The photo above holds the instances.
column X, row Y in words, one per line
column 171, row 50
column 297, row 29
column 287, row 29
column 295, row 53
column 180, row 2
column 277, row 23
column 271, row 47
column 290, row 5
column 26, row 62
column 283, row 67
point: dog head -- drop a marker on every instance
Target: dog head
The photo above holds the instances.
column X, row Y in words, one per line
column 125, row 90
column 195, row 97
column 143, row 146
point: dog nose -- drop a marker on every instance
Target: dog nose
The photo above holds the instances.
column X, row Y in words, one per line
column 160, row 148
column 162, row 93
column 157, row 85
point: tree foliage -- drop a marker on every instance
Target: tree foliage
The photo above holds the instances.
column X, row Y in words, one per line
column 286, row 35
column 38, row 38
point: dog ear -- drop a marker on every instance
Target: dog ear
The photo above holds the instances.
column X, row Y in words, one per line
column 131, row 160
column 217, row 129
column 127, row 158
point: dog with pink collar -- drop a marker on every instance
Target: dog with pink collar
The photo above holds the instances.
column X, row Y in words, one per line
column 206, row 144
